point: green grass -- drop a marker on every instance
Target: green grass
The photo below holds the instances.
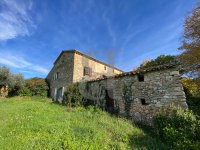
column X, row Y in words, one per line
column 36, row 123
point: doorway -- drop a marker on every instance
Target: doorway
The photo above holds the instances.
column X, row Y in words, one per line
column 109, row 101
column 59, row 94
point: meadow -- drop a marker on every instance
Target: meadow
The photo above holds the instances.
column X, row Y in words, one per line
column 37, row 123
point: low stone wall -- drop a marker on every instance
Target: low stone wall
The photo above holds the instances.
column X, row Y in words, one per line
column 137, row 95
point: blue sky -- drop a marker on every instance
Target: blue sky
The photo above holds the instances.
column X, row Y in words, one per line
column 120, row 32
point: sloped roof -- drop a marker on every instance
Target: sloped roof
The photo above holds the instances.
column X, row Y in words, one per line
column 87, row 56
column 139, row 71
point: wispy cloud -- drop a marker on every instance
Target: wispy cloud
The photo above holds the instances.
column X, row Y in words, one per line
column 20, row 63
column 110, row 29
column 15, row 19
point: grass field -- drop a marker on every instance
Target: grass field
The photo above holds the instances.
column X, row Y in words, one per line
column 36, row 123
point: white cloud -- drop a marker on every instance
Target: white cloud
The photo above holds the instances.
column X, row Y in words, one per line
column 15, row 19
column 20, row 63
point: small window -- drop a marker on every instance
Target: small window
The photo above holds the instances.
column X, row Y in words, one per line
column 140, row 77
column 87, row 71
column 56, row 75
column 143, row 102
column 105, row 68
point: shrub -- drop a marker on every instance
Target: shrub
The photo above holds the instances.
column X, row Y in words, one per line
column 178, row 127
column 194, row 104
column 72, row 96
column 24, row 91
column 37, row 86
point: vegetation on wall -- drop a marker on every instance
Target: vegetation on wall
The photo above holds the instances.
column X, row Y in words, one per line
column 128, row 98
column 178, row 127
column 73, row 96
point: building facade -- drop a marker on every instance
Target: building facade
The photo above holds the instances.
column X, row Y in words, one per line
column 74, row 66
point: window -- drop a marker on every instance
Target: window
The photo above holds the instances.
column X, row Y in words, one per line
column 140, row 77
column 87, row 71
column 143, row 102
column 105, row 68
column 56, row 75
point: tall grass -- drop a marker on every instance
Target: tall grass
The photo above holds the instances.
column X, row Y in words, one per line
column 36, row 123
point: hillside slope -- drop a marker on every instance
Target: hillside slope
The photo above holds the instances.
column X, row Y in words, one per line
column 35, row 123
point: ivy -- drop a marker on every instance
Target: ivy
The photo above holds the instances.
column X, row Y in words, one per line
column 128, row 98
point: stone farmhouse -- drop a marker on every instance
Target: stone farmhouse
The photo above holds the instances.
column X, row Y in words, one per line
column 135, row 94
column 73, row 66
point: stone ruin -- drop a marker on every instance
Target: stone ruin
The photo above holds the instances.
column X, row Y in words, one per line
column 137, row 95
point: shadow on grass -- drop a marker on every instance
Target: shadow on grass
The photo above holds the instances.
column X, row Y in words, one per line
column 148, row 140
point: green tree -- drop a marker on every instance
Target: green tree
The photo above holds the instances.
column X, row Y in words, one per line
column 160, row 60
column 5, row 76
column 13, row 81
column 17, row 83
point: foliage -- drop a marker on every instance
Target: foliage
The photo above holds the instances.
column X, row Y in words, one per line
column 37, row 86
column 73, row 96
column 36, row 123
column 192, row 86
column 194, row 104
column 13, row 81
column 5, row 76
column 160, row 60
column 191, row 41
column 192, row 91
column 178, row 127
column 18, row 83
column 24, row 91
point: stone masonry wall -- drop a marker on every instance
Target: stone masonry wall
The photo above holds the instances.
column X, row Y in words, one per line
column 70, row 68
column 98, row 69
column 138, row 100
column 64, row 67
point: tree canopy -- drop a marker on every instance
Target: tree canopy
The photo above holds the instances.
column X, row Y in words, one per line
column 9, row 79
column 191, row 41
column 160, row 60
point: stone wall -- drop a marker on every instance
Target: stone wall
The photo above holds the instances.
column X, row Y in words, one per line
column 70, row 68
column 64, row 67
column 98, row 69
column 138, row 100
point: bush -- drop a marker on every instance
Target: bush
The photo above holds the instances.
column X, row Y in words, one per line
column 37, row 86
column 194, row 104
column 178, row 127
column 72, row 96
column 24, row 91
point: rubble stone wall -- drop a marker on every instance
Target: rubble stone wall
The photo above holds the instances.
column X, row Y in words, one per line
column 138, row 100
column 64, row 68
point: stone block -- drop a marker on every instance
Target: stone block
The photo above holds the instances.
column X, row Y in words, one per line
column 174, row 73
